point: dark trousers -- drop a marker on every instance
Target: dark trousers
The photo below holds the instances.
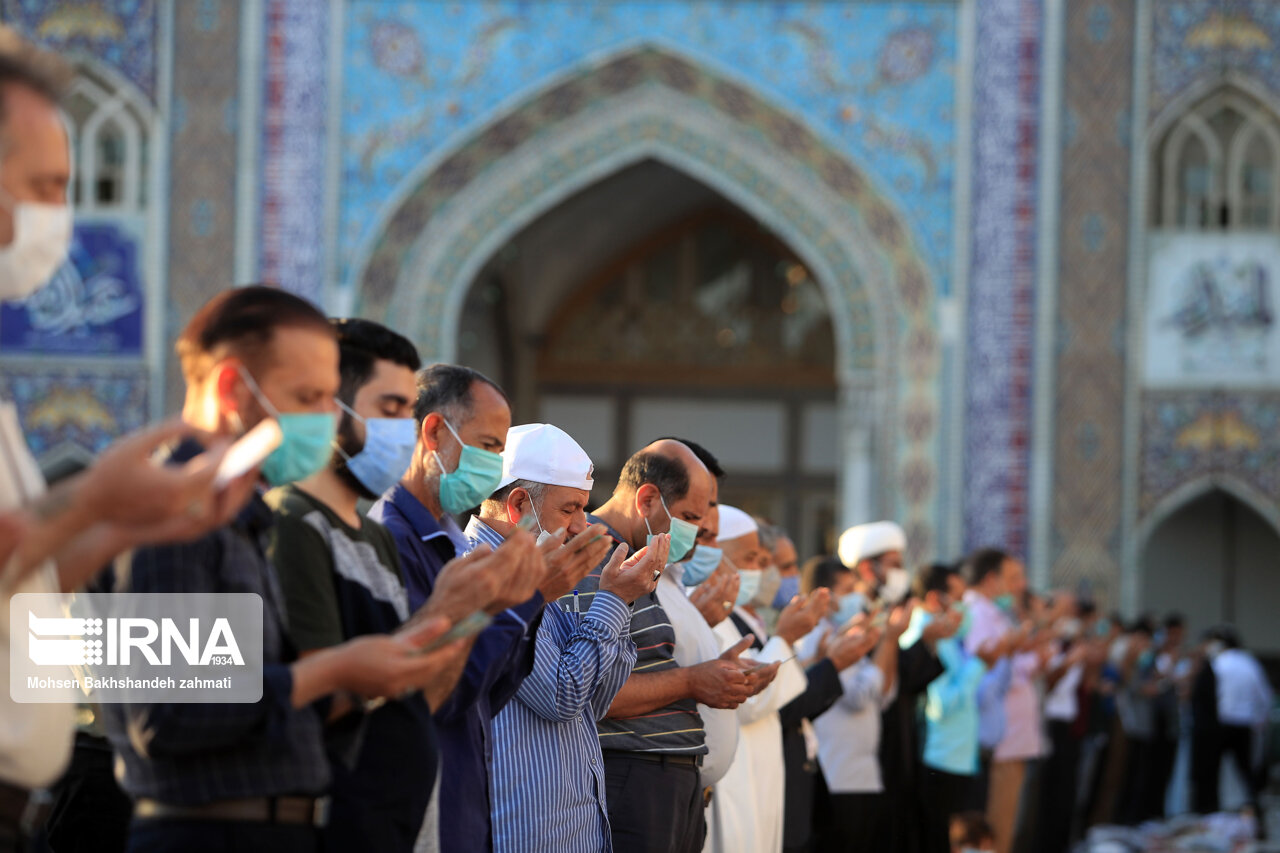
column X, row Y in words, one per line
column 1058, row 787
column 1164, row 754
column 219, row 836
column 904, row 818
column 89, row 811
column 654, row 806
column 857, row 822
column 1237, row 742
column 1138, row 782
column 1206, row 757
column 14, row 841
column 946, row 794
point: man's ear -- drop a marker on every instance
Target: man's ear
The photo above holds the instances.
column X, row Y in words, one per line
column 517, row 505
column 429, row 432
column 229, row 387
column 646, row 496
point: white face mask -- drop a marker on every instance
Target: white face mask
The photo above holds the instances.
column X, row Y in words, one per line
column 41, row 238
column 897, row 583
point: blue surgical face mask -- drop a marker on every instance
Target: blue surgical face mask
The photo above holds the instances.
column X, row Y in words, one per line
column 787, row 590
column 1005, row 602
column 478, row 474
column 683, row 534
column 702, row 564
column 306, row 444
column 848, row 606
column 749, row 585
column 388, row 449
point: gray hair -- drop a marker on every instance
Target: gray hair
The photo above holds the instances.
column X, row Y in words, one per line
column 496, row 503
column 770, row 534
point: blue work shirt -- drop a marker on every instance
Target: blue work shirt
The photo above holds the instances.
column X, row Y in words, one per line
column 951, row 703
column 501, row 658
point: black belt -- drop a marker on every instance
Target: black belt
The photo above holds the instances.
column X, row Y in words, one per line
column 23, row 811
column 663, row 758
column 312, row 811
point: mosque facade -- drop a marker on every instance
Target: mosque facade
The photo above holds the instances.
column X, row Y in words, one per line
column 1002, row 270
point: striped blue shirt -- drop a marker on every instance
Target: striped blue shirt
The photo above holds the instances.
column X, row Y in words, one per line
column 548, row 774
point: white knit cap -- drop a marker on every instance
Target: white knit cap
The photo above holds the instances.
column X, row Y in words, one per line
column 734, row 523
column 543, row 453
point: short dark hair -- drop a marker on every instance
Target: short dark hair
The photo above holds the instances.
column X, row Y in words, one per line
column 706, row 457
column 933, row 577
column 242, row 322
column 1174, row 620
column 823, row 572
column 446, row 388
column 981, row 563
column 668, row 473
column 363, row 343
column 1144, row 624
column 1227, row 634
column 24, row 64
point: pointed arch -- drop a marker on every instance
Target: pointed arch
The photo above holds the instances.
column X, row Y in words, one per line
column 1191, row 119
column 653, row 104
column 101, row 103
column 1189, row 492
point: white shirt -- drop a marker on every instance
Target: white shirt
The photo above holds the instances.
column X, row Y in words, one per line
column 1063, row 702
column 746, row 811
column 35, row 739
column 695, row 644
column 849, row 731
column 1244, row 696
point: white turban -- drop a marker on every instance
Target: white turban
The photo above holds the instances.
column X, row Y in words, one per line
column 870, row 540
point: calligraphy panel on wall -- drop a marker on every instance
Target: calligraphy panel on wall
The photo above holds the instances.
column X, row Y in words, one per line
column 1210, row 320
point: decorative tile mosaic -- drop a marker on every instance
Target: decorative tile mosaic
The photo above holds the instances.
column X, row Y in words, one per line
column 121, row 33
column 84, row 407
column 1200, row 41
column 873, row 80
column 295, row 119
column 1001, row 293
column 1188, row 436
column 522, row 132
column 202, row 201
column 1093, row 267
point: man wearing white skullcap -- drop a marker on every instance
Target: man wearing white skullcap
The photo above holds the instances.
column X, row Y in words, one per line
column 548, row 772
column 874, row 553
column 876, row 794
column 747, row 809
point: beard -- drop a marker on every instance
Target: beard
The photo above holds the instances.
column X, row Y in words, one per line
column 351, row 444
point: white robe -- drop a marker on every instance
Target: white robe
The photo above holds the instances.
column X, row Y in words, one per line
column 696, row 643
column 747, row 808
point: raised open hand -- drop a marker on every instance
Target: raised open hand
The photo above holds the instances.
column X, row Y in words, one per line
column 569, row 563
